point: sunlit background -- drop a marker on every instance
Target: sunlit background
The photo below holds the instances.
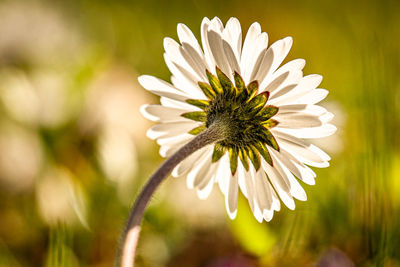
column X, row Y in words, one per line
column 73, row 151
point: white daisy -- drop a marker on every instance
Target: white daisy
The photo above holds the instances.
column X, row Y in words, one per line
column 269, row 112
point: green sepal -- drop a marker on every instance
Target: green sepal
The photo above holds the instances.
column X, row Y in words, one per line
column 239, row 83
column 198, row 103
column 243, row 158
column 254, row 157
column 248, row 129
column 252, row 89
column 271, row 123
column 214, row 82
column 269, row 111
column 207, row 90
column 197, row 130
column 270, row 140
column 256, row 104
column 195, row 116
column 233, row 159
column 264, row 152
column 266, row 94
column 225, row 82
column 218, row 152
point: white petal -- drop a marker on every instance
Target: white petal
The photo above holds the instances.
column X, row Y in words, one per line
column 231, row 198
column 171, row 141
column 195, row 60
column 295, row 188
column 310, row 109
column 201, row 175
column 258, row 214
column 281, row 186
column 204, row 192
column 206, row 46
column 268, row 214
column 242, row 185
column 296, row 64
column 205, row 187
column 249, row 42
column 223, row 174
column 178, row 56
column 273, row 57
column 171, row 129
column 185, row 35
column 168, row 102
column 254, row 60
column 199, row 169
column 162, row 113
column 312, row 97
column 263, row 190
column 217, row 51
column 232, row 42
column 233, row 34
column 275, row 83
column 247, row 184
column 161, row 88
column 168, row 150
column 326, row 117
column 188, row 87
column 190, row 161
column 216, row 25
column 297, row 120
column 282, row 90
column 320, row 152
column 231, row 58
column 313, row 132
column 253, row 45
column 205, row 174
column 289, row 137
column 184, row 80
column 297, row 168
column 278, row 84
column 304, row 154
column 276, row 203
column 306, row 85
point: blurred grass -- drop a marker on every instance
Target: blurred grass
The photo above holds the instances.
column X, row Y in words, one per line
column 354, row 208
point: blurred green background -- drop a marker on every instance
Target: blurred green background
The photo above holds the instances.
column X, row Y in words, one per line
column 73, row 151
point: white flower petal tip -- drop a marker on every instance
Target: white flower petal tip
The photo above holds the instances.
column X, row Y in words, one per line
column 268, row 215
column 290, row 204
column 146, row 114
column 205, row 193
column 288, row 113
column 299, row 195
column 288, row 42
column 231, row 199
column 175, row 172
column 232, row 215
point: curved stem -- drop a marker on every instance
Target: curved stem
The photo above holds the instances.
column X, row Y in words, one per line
column 130, row 236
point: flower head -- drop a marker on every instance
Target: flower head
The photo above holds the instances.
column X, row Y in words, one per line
column 267, row 113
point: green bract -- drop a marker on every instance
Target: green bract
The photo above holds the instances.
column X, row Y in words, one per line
column 244, row 114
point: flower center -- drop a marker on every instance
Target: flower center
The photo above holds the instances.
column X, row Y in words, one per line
column 243, row 115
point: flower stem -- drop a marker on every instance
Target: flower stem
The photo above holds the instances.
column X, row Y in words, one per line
column 130, row 236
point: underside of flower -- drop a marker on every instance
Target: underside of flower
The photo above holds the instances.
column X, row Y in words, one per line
column 265, row 115
column 243, row 115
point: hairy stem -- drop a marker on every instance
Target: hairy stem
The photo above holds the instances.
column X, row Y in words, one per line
column 130, row 236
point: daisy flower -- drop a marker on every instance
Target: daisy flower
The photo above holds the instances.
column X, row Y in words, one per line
column 267, row 112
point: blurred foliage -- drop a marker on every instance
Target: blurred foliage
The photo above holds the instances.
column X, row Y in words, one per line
column 73, row 151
